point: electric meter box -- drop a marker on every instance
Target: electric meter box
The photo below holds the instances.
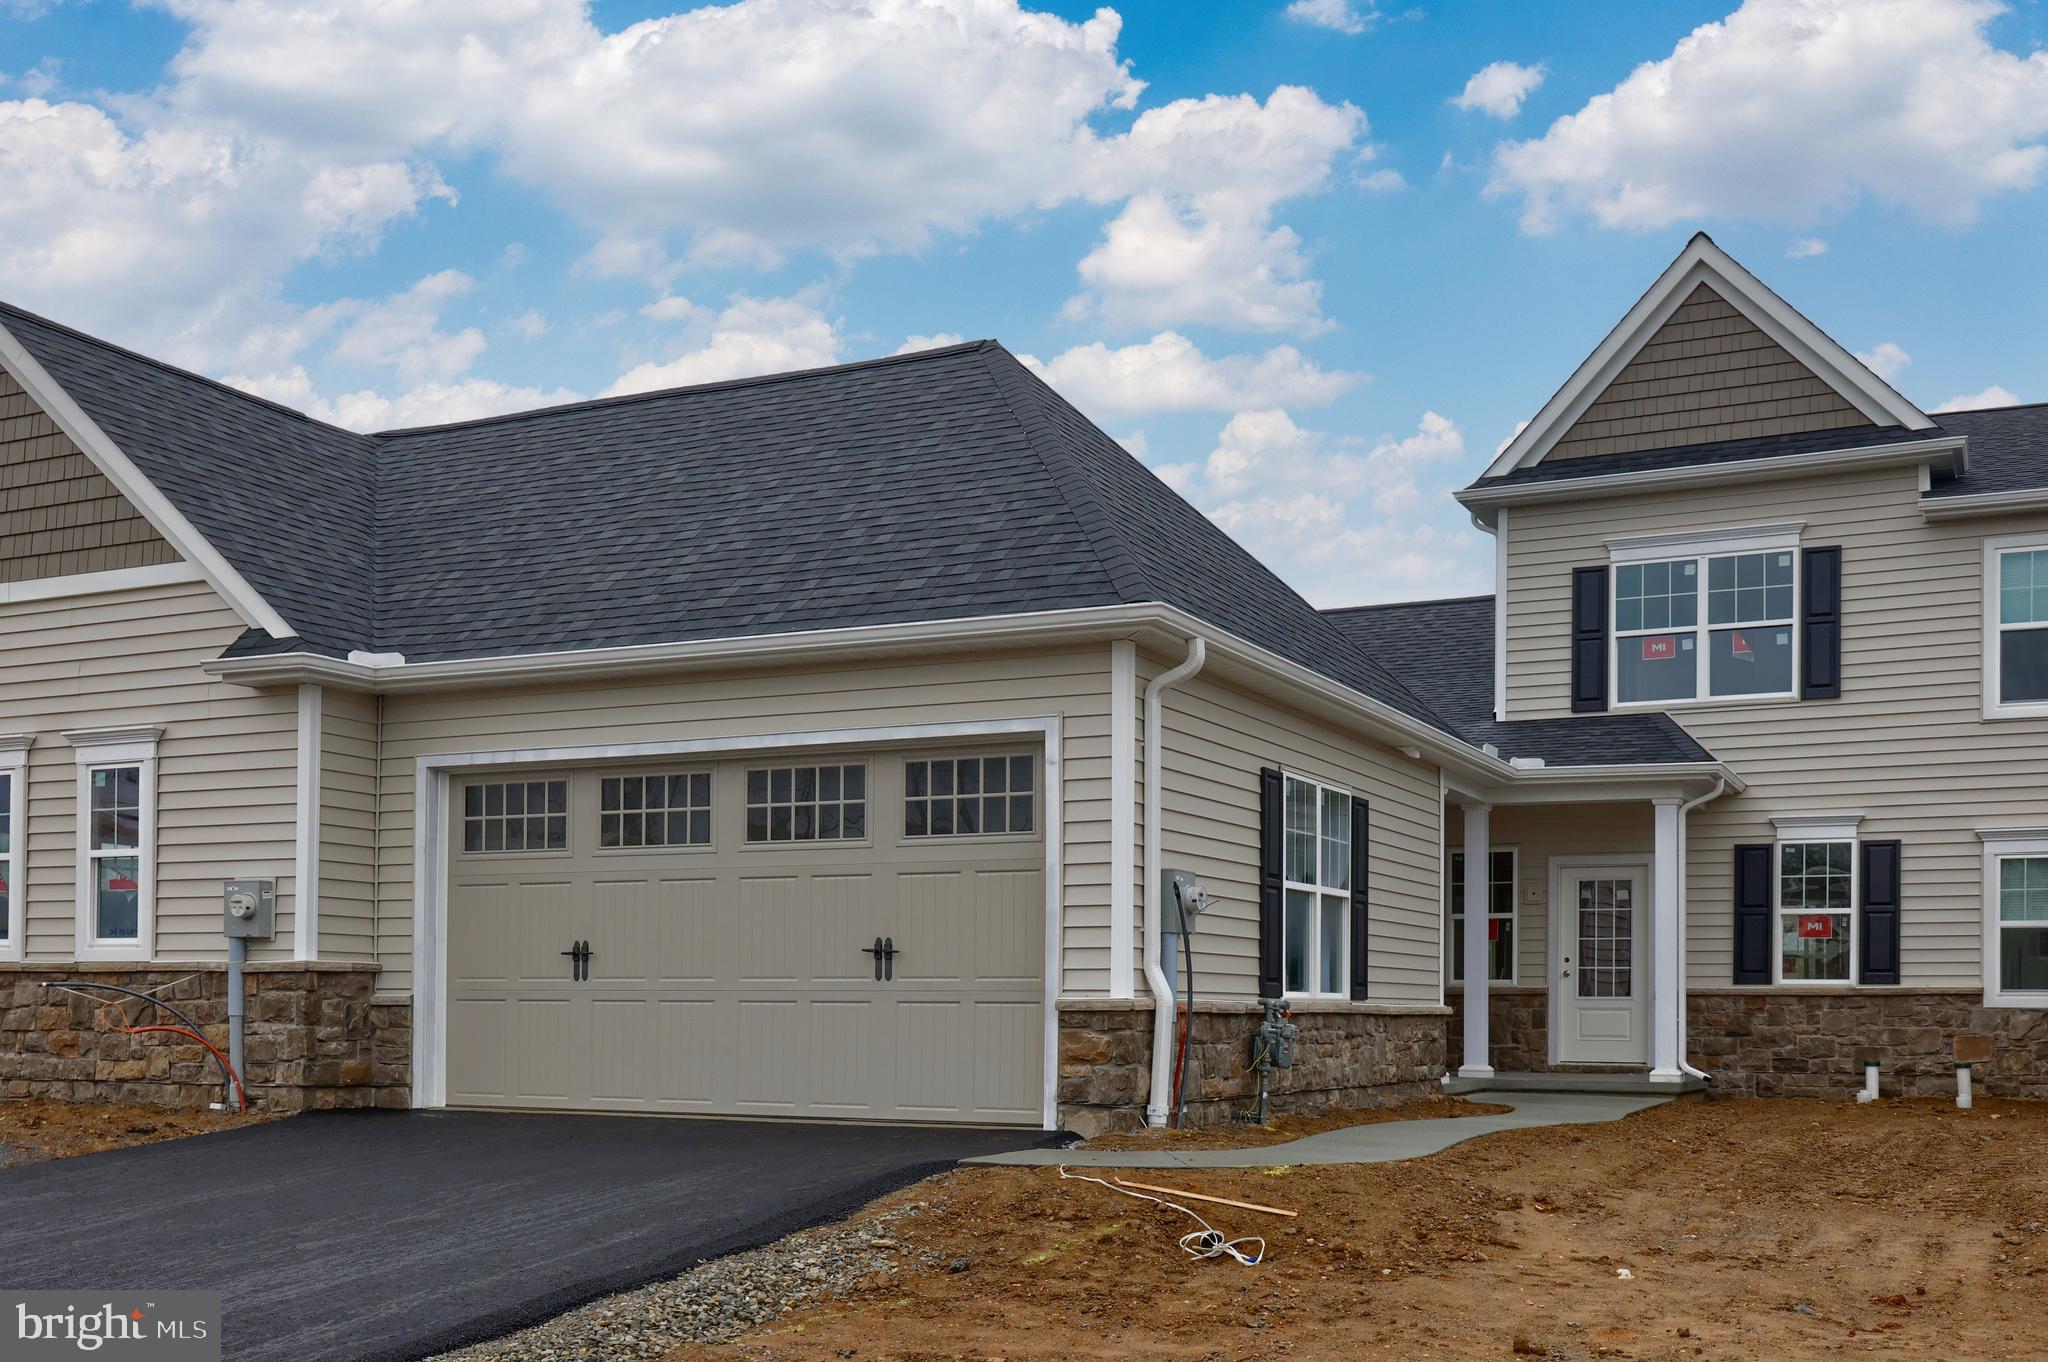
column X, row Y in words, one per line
column 1185, row 900
column 249, row 908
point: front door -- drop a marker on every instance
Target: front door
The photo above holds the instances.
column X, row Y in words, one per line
column 1603, row 1017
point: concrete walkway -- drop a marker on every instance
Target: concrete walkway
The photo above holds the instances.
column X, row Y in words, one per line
column 1386, row 1142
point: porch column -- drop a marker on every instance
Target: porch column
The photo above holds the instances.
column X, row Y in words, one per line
column 1477, row 1010
column 1665, row 927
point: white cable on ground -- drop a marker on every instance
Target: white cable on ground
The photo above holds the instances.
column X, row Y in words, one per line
column 1207, row 1242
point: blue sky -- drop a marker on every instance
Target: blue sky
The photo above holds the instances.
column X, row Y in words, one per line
column 1312, row 261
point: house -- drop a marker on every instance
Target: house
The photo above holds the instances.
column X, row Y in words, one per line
column 818, row 745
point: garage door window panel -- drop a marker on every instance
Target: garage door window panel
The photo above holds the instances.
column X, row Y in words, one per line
column 970, row 796
column 515, row 816
column 659, row 809
column 807, row 803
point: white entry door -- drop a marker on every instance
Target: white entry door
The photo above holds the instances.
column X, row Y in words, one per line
column 1600, row 989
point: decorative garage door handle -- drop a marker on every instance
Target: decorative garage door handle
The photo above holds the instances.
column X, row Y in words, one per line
column 885, row 953
column 579, row 955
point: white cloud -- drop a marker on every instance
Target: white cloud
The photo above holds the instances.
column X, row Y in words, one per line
column 1806, row 248
column 1345, row 16
column 1171, row 373
column 1993, row 396
column 1316, row 507
column 912, row 344
column 1886, row 359
column 528, row 325
column 1791, row 110
column 750, row 336
column 1500, row 87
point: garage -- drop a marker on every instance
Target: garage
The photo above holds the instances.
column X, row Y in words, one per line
column 838, row 934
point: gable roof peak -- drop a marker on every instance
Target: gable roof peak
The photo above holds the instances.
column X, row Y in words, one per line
column 1703, row 263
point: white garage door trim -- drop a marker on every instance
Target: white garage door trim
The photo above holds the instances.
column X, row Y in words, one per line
column 430, row 861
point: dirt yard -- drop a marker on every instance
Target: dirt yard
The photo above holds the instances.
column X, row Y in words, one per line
column 1736, row 1229
column 32, row 1129
column 1285, row 1127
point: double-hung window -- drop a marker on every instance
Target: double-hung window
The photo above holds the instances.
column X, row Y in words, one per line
column 1704, row 619
column 2015, row 627
column 116, row 842
column 13, row 832
column 2015, row 919
column 1816, row 912
column 1500, row 916
column 1316, row 928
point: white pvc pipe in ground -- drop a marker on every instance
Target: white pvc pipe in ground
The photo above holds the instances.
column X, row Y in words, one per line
column 1963, row 1086
column 1869, row 1093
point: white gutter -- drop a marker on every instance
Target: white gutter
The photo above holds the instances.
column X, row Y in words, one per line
column 1720, row 788
column 1983, row 503
column 1481, row 499
column 1162, row 991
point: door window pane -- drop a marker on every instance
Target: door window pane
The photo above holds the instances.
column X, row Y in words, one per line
column 1606, row 931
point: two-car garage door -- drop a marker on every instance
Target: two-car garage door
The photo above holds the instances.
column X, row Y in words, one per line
column 732, row 911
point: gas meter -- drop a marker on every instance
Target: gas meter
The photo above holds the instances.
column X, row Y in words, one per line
column 249, row 908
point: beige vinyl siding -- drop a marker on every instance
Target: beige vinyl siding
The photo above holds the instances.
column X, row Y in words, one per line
column 1906, row 746
column 1537, row 832
column 1709, row 373
column 348, row 825
column 1214, row 741
column 1072, row 684
column 226, row 765
column 58, row 513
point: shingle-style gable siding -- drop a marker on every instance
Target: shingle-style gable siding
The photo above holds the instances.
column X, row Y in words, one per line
column 58, row 513
column 1708, row 374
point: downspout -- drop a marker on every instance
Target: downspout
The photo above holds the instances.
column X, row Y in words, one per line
column 1684, row 840
column 1155, row 977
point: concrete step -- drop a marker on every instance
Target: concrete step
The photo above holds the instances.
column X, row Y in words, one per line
column 1628, row 1083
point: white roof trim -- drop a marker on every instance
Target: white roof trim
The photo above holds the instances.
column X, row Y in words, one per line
column 1635, row 548
column 1983, row 503
column 1817, row 827
column 141, row 493
column 1702, row 262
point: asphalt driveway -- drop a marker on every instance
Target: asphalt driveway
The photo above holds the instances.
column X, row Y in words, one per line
column 385, row 1236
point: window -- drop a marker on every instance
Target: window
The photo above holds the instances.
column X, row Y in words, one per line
column 2015, row 918
column 1816, row 912
column 13, row 780
column 1500, row 916
column 1706, row 625
column 807, row 803
column 116, row 805
column 655, row 810
column 1315, row 934
column 967, row 796
column 2016, row 628
column 516, row 815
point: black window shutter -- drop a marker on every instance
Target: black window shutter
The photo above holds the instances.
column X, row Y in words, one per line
column 1589, row 639
column 1880, row 910
column 1820, row 626
column 1271, row 880
column 1753, row 914
column 1361, row 916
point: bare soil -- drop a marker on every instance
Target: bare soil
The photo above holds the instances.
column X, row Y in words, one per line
column 1726, row 1230
column 34, row 1129
column 1283, row 1128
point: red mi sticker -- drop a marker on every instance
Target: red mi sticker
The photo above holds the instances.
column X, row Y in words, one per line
column 1817, row 927
column 1739, row 646
column 122, row 884
column 1660, row 647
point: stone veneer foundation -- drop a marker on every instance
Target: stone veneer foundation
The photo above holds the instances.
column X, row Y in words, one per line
column 1787, row 1042
column 316, row 1036
column 1350, row 1055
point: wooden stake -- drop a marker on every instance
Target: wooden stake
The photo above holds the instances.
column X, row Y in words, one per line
column 1198, row 1196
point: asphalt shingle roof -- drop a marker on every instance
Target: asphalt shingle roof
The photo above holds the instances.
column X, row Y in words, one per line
column 1445, row 650
column 2008, row 450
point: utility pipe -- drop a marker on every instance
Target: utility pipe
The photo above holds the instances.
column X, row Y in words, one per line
column 1155, row 977
column 1684, row 838
column 238, row 951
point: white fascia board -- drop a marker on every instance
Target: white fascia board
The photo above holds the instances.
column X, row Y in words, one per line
column 1637, row 548
column 1703, row 262
column 140, row 492
column 1949, row 452
column 1629, row 781
column 1984, row 503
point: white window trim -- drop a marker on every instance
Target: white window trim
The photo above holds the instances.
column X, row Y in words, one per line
column 1454, row 911
column 1798, row 835
column 14, row 763
column 1316, row 892
column 1699, row 546
column 1994, row 706
column 98, row 749
column 2000, row 843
